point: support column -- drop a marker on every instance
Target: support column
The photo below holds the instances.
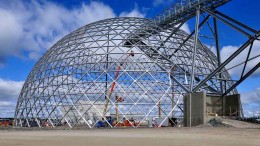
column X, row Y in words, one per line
column 198, row 107
column 193, row 61
column 218, row 52
column 232, row 105
column 194, row 49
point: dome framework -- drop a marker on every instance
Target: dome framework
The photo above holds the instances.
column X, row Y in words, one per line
column 96, row 77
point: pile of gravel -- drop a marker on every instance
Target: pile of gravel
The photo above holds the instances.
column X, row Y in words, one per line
column 216, row 122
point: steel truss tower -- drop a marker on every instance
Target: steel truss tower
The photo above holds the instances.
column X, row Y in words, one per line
column 149, row 64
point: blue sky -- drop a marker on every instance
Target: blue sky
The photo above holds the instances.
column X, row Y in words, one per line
column 29, row 28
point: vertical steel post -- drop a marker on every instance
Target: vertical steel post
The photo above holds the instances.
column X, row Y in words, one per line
column 195, row 48
column 218, row 51
column 194, row 57
column 107, row 61
column 173, row 104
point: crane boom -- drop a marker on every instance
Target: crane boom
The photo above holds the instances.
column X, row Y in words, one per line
column 114, row 82
column 111, row 90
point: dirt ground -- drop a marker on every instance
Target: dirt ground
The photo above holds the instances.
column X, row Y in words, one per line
column 133, row 137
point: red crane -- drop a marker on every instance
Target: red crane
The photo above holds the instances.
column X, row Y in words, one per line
column 114, row 82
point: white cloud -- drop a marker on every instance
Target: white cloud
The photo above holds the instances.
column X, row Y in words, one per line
column 9, row 89
column 251, row 102
column 212, row 48
column 5, row 103
column 185, row 27
column 134, row 13
column 32, row 27
column 251, row 97
column 9, row 92
column 11, row 32
column 226, row 51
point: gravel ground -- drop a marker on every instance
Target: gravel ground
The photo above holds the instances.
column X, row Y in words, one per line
column 195, row 136
column 224, row 122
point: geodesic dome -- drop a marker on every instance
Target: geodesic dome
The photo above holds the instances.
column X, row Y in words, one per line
column 98, row 76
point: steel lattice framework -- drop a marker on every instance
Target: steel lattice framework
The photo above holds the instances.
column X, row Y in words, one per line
column 72, row 80
column 131, row 69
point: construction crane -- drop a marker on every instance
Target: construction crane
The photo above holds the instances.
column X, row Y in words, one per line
column 114, row 82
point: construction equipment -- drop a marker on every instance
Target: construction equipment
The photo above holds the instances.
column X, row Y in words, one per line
column 118, row 99
column 114, row 82
column 6, row 122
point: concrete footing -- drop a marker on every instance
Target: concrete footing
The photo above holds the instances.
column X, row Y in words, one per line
column 200, row 107
column 195, row 109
